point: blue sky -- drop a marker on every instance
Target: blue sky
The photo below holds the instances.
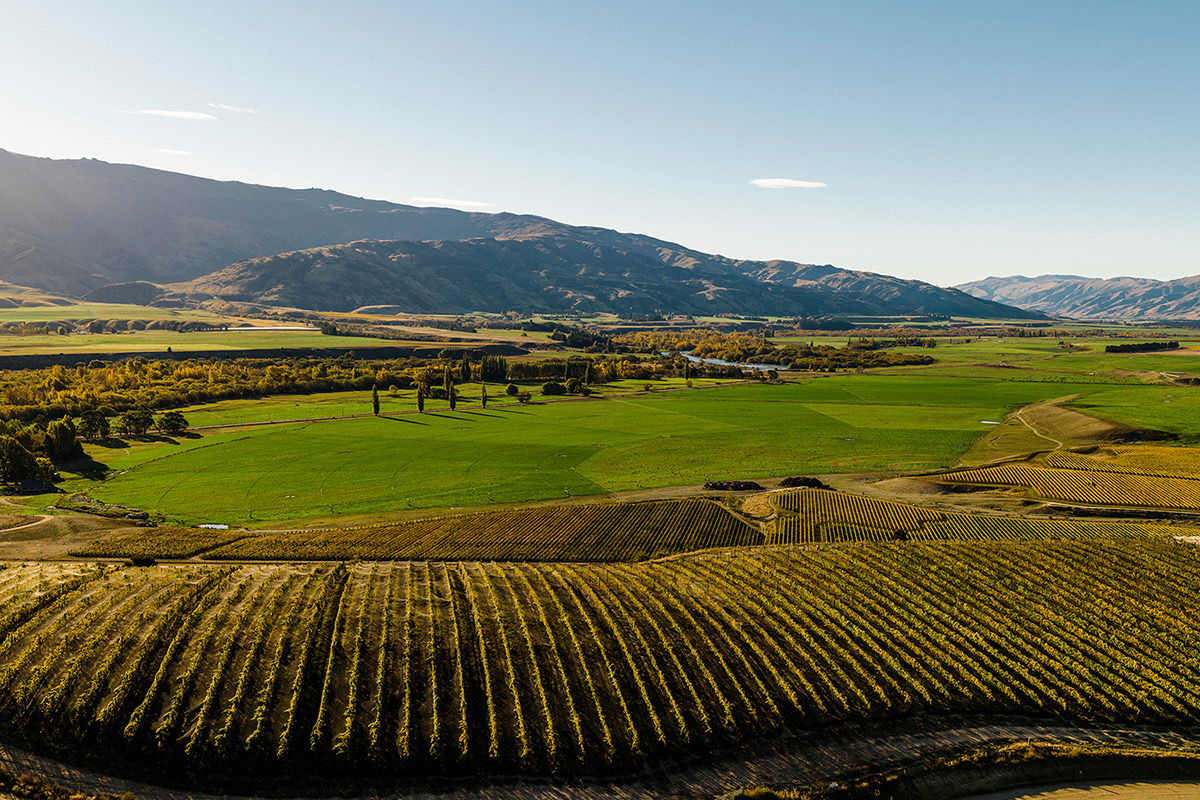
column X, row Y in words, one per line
column 955, row 140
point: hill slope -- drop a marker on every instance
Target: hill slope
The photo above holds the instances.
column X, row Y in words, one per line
column 75, row 227
column 1094, row 298
column 554, row 273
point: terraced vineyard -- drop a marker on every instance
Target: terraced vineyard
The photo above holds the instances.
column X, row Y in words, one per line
column 817, row 515
column 588, row 532
column 1091, row 486
column 397, row 668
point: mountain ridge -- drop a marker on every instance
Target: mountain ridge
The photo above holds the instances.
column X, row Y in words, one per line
column 88, row 228
column 1124, row 298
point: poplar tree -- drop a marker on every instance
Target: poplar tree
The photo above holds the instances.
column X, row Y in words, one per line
column 420, row 397
column 375, row 399
column 464, row 371
column 483, row 395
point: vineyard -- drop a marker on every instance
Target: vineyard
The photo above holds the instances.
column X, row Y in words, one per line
column 1098, row 486
column 437, row 668
column 817, row 515
column 590, row 532
column 1178, row 462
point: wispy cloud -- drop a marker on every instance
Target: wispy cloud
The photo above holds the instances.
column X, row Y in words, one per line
column 446, row 201
column 170, row 152
column 190, row 115
column 785, row 183
column 234, row 109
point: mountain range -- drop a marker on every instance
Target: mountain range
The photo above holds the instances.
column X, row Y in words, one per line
column 87, row 228
column 1130, row 299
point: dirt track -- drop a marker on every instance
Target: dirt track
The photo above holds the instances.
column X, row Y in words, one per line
column 793, row 761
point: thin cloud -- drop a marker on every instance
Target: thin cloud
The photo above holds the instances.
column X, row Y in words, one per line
column 168, row 151
column 189, row 115
column 785, row 183
column 446, row 201
column 234, row 109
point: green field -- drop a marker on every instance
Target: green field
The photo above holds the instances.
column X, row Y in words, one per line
column 523, row 453
column 159, row 341
column 88, row 311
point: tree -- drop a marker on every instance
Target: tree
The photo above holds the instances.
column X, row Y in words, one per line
column 524, row 397
column 172, row 422
column 464, row 369
column 375, row 400
column 60, row 439
column 452, row 396
column 135, row 423
column 16, row 463
column 93, row 424
column 511, row 390
column 483, row 395
column 420, row 397
column 447, row 380
column 553, row 388
column 493, row 368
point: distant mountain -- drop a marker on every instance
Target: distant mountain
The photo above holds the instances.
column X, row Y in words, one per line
column 1094, row 298
column 556, row 273
column 113, row 232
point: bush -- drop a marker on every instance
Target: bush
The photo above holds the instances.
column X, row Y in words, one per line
column 733, row 486
column 553, row 388
column 801, row 481
column 574, row 386
column 524, row 397
column 511, row 390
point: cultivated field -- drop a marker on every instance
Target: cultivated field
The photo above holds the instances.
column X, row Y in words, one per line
column 816, row 515
column 1141, row 475
column 601, row 532
column 427, row 668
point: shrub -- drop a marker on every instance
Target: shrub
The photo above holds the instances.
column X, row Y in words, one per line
column 553, row 388
column 511, row 390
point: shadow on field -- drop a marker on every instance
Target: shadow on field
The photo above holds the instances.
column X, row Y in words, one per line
column 480, row 414
column 404, row 419
column 111, row 442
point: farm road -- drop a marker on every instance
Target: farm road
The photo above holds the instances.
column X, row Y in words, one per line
column 790, row 761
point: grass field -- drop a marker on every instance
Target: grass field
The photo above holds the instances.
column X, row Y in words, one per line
column 285, row 407
column 512, row 454
column 1175, row 409
column 159, row 341
column 407, row 669
column 87, row 311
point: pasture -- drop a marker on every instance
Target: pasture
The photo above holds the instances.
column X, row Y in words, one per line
column 158, row 341
column 513, row 454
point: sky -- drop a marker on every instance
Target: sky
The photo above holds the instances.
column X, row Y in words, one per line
column 944, row 141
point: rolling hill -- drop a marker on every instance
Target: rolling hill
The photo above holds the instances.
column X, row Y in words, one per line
column 1123, row 298
column 89, row 228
